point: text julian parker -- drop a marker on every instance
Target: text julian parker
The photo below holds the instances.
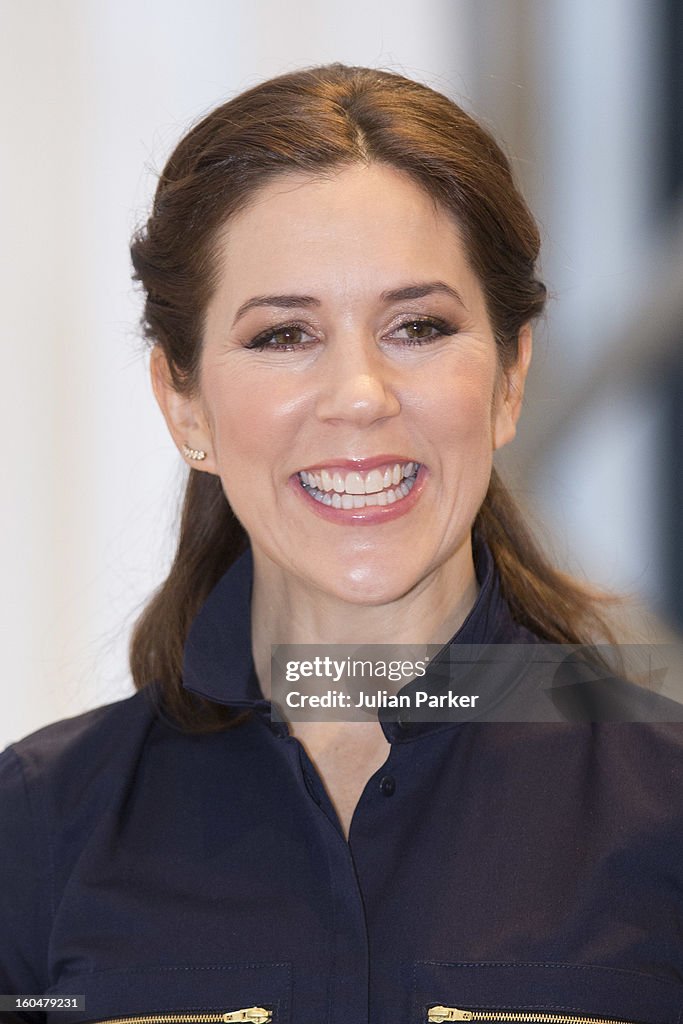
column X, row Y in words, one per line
column 380, row 699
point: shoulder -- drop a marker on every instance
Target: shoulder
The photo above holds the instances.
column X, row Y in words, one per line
column 53, row 768
column 588, row 692
column 98, row 732
column 55, row 785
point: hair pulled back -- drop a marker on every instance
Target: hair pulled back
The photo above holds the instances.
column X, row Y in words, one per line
column 316, row 121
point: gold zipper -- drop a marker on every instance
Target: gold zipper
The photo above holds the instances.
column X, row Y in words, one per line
column 439, row 1014
column 252, row 1014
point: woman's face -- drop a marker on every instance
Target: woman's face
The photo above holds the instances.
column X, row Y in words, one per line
column 350, row 398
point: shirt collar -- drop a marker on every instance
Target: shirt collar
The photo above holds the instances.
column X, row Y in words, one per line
column 218, row 663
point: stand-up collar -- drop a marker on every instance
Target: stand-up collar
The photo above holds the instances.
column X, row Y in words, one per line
column 218, row 661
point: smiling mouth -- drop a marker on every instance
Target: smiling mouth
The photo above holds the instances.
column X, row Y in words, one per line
column 382, row 485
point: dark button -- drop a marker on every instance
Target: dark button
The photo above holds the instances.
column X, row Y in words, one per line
column 387, row 785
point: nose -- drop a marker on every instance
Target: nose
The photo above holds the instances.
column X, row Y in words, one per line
column 358, row 383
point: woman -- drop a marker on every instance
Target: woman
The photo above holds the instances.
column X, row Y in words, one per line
column 340, row 287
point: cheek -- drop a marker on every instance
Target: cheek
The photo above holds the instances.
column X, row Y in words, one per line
column 461, row 417
column 253, row 423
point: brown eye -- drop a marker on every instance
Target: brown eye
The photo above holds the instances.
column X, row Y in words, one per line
column 420, row 331
column 288, row 336
column 282, row 339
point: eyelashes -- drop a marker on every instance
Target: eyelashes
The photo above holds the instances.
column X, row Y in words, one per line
column 288, row 333
column 439, row 329
column 293, row 336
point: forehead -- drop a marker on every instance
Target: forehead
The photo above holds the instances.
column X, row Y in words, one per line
column 362, row 227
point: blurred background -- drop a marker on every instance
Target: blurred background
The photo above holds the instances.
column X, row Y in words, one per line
column 587, row 99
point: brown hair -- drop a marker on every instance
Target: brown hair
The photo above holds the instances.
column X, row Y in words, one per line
column 314, row 121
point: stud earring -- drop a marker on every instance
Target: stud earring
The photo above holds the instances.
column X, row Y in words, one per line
column 193, row 453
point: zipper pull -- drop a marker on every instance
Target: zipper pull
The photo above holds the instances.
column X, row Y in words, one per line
column 254, row 1015
column 438, row 1014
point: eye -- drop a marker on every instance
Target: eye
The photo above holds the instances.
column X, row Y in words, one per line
column 282, row 339
column 422, row 330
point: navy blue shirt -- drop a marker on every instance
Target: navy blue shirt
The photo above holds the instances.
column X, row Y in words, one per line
column 527, row 866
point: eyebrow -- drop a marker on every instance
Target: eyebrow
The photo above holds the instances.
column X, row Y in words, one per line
column 418, row 291
column 414, row 291
column 279, row 301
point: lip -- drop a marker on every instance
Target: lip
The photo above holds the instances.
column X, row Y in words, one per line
column 371, row 515
column 361, row 465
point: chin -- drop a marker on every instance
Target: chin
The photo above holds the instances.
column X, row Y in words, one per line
column 371, row 585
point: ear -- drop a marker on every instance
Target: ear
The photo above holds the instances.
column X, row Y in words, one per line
column 184, row 415
column 509, row 400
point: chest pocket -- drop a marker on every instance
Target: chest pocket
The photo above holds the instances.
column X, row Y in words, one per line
column 249, row 993
column 539, row 993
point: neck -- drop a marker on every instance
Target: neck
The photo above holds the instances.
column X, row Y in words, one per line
column 285, row 610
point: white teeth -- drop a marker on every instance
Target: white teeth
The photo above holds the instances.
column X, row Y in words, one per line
column 354, row 483
column 374, row 482
column 357, row 490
